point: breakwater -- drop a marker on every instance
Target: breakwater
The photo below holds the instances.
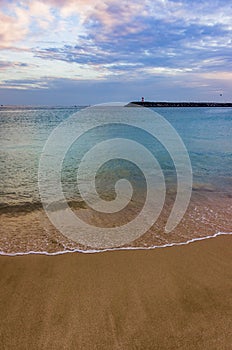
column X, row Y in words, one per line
column 180, row 104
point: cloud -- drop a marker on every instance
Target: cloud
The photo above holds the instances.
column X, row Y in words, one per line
column 157, row 48
column 9, row 65
column 13, row 29
column 25, row 84
column 74, row 92
column 19, row 19
column 181, row 40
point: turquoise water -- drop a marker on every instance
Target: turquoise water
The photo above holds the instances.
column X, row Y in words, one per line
column 23, row 133
column 206, row 133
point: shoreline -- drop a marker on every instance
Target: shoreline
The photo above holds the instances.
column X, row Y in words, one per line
column 177, row 298
column 31, row 232
column 132, row 248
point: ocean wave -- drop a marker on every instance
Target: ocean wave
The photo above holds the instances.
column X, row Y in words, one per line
column 93, row 251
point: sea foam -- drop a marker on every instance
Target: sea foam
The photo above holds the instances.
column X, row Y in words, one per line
column 93, row 251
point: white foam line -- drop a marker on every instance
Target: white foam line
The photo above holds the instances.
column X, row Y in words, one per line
column 92, row 251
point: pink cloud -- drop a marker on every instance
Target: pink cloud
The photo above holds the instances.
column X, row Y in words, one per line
column 13, row 29
column 109, row 14
column 16, row 18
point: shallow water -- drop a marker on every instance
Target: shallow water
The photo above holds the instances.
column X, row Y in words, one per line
column 206, row 133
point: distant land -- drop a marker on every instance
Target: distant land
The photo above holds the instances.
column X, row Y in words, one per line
column 180, row 104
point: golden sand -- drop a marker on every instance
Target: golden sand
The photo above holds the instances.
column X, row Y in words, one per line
column 167, row 298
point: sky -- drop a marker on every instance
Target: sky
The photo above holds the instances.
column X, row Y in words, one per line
column 80, row 52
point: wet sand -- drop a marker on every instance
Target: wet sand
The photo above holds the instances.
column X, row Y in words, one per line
column 167, row 298
column 27, row 228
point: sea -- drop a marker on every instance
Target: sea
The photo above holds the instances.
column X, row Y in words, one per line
column 44, row 148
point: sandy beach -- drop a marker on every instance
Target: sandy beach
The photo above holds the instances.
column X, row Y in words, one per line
column 168, row 298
